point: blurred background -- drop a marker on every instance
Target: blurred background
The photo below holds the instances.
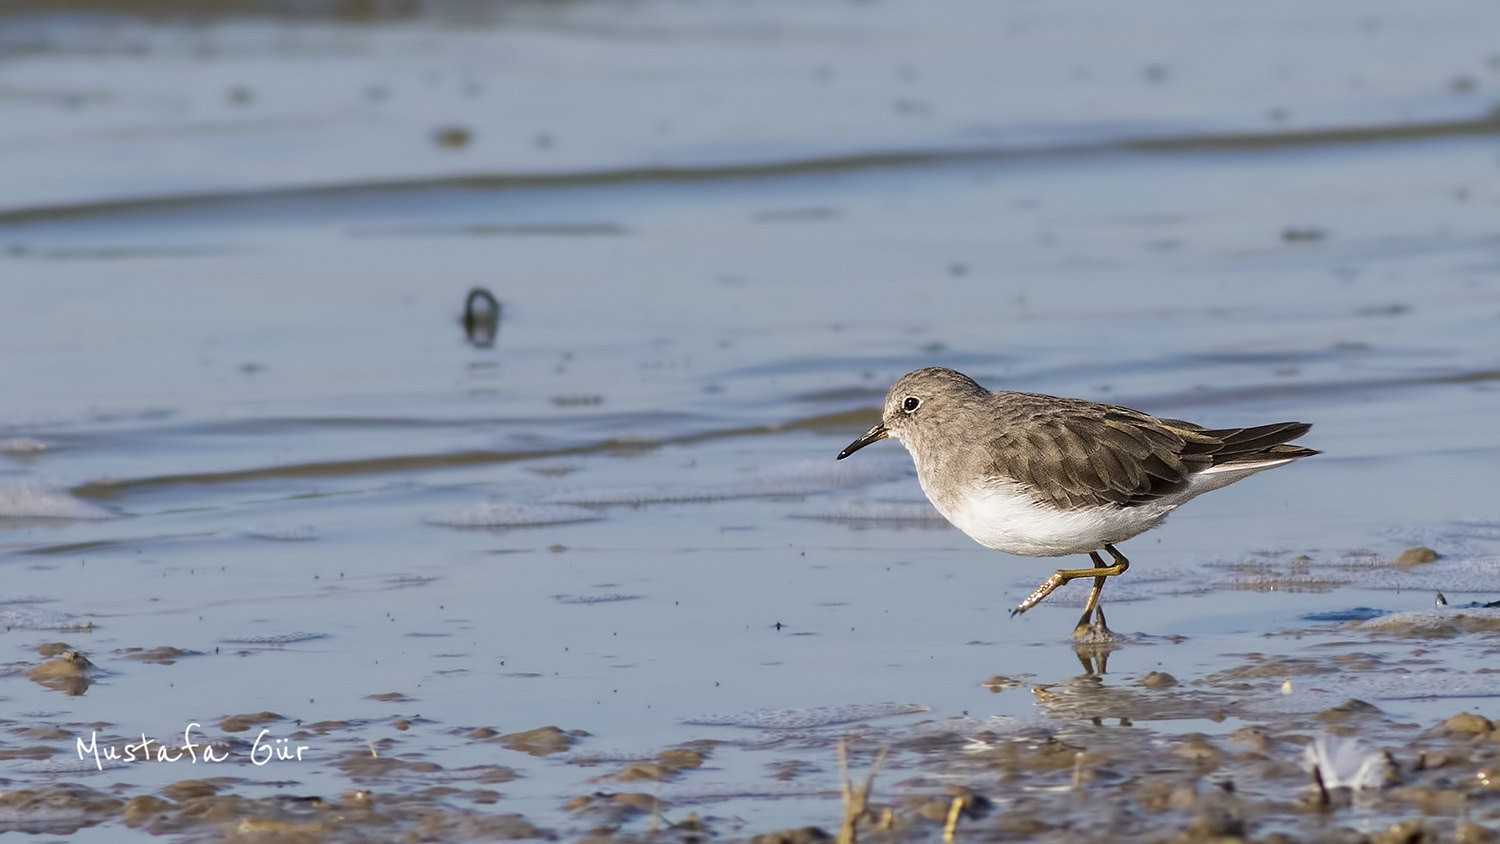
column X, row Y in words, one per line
column 244, row 416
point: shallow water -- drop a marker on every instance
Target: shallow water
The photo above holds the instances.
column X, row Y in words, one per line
column 232, row 321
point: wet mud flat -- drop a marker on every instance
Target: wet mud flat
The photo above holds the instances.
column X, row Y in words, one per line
column 1275, row 751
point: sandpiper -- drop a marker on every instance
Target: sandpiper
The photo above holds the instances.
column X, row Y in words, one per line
column 1043, row 476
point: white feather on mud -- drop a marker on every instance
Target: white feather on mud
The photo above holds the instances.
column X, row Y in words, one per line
column 1345, row 762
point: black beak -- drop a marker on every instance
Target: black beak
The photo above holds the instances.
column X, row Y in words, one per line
column 876, row 433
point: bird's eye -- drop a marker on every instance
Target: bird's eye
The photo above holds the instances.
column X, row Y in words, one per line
column 911, row 403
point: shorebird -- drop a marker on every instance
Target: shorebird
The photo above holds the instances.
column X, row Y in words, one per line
column 1043, row 476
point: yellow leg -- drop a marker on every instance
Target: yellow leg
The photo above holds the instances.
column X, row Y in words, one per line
column 1061, row 576
column 1093, row 601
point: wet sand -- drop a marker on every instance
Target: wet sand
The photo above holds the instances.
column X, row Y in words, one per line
column 263, row 492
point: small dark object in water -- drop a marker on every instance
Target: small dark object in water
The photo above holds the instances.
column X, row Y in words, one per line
column 1304, row 234
column 452, row 137
column 481, row 318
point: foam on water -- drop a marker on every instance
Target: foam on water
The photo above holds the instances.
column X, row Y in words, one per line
column 33, row 618
column 26, row 501
column 968, row 726
column 1471, row 574
column 1424, row 685
column 282, row 534
column 604, row 598
column 1475, row 528
column 1287, row 583
column 514, row 514
column 1315, row 694
column 801, row 719
column 1439, row 621
column 66, row 765
column 276, row 638
column 1440, row 539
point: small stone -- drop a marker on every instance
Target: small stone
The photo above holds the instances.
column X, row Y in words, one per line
column 139, row 810
column 1158, row 680
column 1417, row 556
column 1182, row 797
column 1216, row 823
column 1256, row 737
column 452, row 137
column 162, row 655
column 541, row 741
column 1050, row 756
column 1351, row 709
column 644, row 771
column 188, row 789
column 241, row 723
column 1406, row 832
column 803, row 835
column 42, row 733
column 691, row 823
column 680, row 758
column 644, row 802
column 1472, row 833
column 1197, row 749
column 1000, row 683
column 1469, row 722
column 69, row 664
column 932, row 808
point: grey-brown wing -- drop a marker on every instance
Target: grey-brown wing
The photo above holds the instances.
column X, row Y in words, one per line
column 1091, row 454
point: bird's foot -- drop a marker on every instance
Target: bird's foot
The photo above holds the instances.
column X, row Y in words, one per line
column 1041, row 592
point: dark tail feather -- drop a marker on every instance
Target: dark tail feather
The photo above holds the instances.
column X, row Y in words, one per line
column 1245, row 445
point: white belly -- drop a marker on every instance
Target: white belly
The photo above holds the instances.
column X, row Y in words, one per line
column 999, row 513
column 1009, row 520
